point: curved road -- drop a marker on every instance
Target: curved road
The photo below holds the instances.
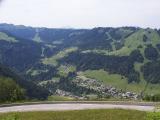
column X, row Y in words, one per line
column 72, row 106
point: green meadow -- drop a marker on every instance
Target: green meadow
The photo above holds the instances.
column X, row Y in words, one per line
column 115, row 114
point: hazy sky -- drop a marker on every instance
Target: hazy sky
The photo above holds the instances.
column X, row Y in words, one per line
column 81, row 13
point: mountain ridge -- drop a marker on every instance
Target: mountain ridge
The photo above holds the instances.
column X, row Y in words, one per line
column 46, row 56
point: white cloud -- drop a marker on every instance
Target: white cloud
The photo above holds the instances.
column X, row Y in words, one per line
column 81, row 13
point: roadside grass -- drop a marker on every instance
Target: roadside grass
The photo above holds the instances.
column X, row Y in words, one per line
column 60, row 98
column 153, row 116
column 110, row 114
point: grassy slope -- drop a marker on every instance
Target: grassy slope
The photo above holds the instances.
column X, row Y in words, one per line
column 78, row 115
column 120, row 82
column 63, row 70
column 113, row 79
column 53, row 80
column 109, row 79
column 131, row 43
column 53, row 60
column 136, row 39
column 37, row 38
column 5, row 37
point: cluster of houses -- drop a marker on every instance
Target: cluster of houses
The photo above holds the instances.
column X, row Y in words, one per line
column 104, row 89
column 99, row 87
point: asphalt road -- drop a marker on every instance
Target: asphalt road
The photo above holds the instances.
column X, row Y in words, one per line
column 72, row 106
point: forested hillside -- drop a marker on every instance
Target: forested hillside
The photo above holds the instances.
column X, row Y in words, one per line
column 14, row 88
column 126, row 58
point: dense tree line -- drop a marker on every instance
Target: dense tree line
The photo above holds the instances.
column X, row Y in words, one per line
column 145, row 38
column 48, row 75
column 151, row 71
column 136, row 56
column 50, row 35
column 23, row 55
column 114, row 64
column 153, row 98
column 99, row 38
column 158, row 32
column 158, row 46
column 20, row 55
column 151, row 53
column 10, row 91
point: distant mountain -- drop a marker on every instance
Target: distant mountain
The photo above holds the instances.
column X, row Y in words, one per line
column 127, row 57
